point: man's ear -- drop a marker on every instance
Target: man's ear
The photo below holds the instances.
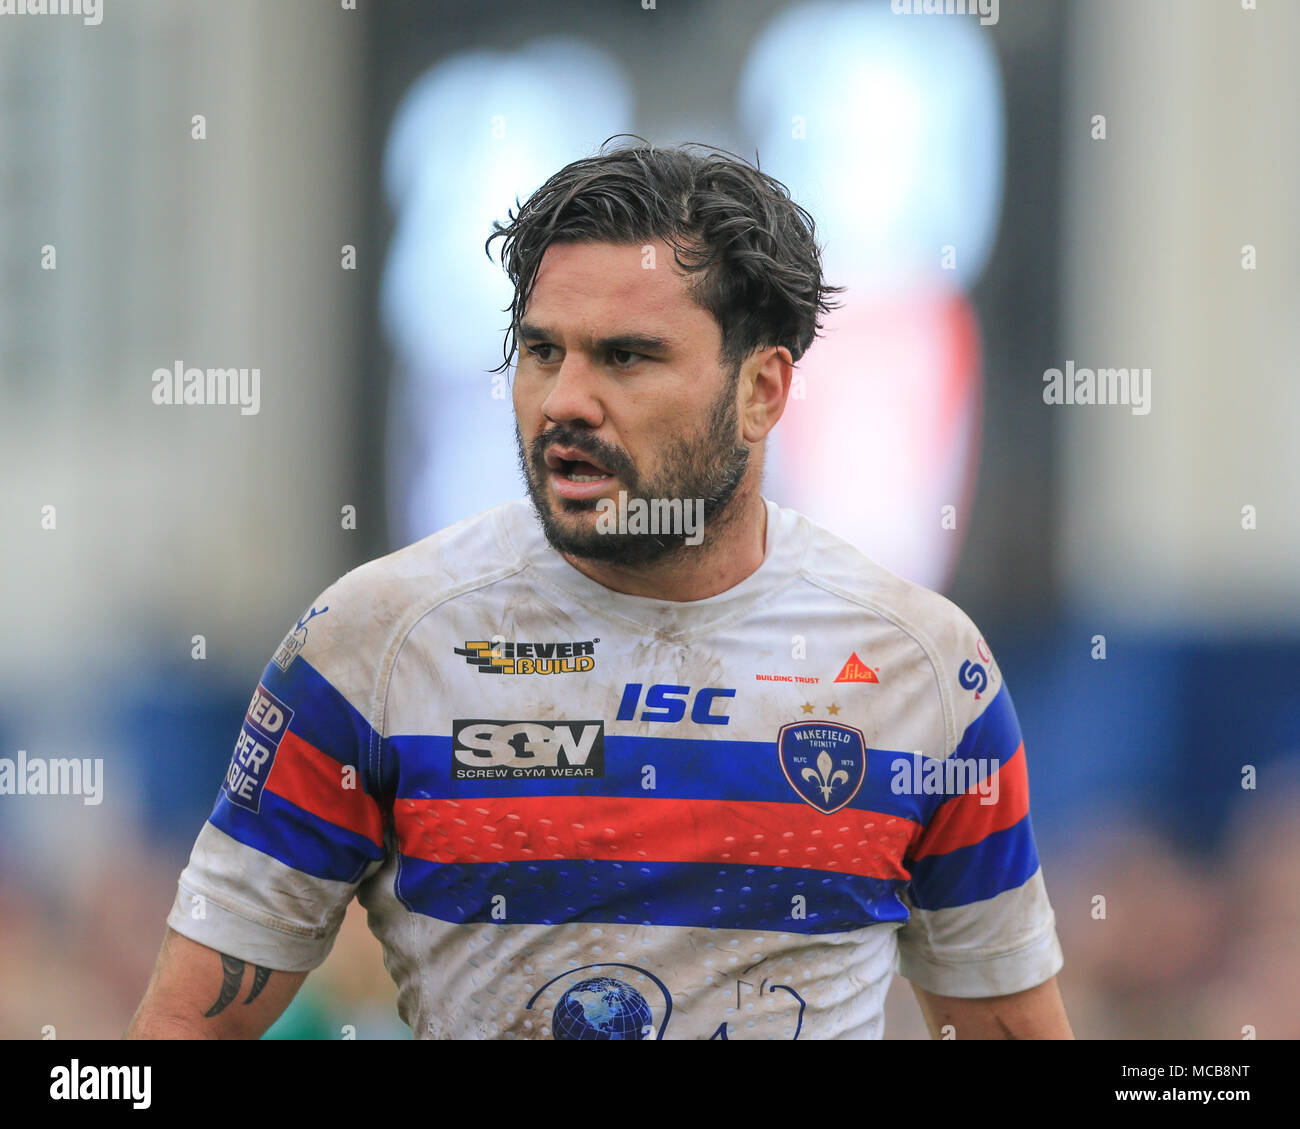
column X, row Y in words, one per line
column 764, row 389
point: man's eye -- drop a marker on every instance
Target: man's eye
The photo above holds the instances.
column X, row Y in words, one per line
column 536, row 350
column 618, row 355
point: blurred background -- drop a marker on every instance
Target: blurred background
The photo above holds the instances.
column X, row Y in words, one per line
column 305, row 189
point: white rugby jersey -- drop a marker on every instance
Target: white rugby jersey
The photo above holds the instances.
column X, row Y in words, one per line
column 574, row 813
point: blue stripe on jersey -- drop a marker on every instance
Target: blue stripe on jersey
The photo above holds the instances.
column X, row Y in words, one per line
column 1001, row 861
column 704, row 768
column 995, row 733
column 297, row 838
column 699, row 769
column 322, row 716
column 702, row 895
column 990, row 741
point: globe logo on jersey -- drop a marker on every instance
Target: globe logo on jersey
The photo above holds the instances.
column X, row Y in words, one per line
column 610, row 1002
column 824, row 762
column 602, row 1008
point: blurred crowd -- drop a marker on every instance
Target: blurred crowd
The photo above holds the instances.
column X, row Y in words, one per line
column 1159, row 943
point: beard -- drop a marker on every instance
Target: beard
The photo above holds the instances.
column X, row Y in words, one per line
column 709, row 465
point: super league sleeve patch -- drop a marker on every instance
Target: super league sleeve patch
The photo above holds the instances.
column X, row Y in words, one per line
column 264, row 727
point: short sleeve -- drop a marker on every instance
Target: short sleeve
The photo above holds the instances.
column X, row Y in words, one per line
column 980, row 920
column 297, row 824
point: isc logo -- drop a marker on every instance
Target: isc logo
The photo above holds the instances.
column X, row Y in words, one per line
column 668, row 703
column 512, row 750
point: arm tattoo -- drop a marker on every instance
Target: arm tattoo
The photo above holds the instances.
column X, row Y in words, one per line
column 232, row 975
column 260, row 977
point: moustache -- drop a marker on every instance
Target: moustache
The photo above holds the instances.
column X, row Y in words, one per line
column 612, row 458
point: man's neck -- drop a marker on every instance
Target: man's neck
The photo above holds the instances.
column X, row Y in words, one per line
column 695, row 572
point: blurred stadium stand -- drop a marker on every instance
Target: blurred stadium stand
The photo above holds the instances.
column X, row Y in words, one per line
column 1078, row 522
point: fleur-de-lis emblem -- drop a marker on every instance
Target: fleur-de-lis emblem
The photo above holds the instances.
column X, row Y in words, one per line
column 841, row 762
column 828, row 778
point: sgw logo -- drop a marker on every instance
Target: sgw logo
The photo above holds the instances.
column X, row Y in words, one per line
column 512, row 750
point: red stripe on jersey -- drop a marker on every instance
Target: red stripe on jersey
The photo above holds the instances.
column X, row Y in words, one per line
column 305, row 776
column 629, row 829
column 964, row 820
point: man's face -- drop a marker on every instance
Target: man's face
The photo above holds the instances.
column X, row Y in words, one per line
column 619, row 388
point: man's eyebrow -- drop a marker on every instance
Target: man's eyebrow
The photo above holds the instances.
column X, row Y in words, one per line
column 628, row 342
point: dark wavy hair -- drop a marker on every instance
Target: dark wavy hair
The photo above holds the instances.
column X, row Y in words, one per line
column 754, row 249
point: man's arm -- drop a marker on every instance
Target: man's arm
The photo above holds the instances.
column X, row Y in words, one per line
column 199, row 993
column 1037, row 1013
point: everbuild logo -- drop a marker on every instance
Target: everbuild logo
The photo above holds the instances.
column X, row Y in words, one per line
column 500, row 657
column 488, row 749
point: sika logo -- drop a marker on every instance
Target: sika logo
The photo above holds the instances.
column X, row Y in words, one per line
column 501, row 657
column 855, row 670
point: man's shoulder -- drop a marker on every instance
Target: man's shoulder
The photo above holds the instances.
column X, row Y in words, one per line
column 836, row 566
column 954, row 648
column 475, row 550
column 366, row 609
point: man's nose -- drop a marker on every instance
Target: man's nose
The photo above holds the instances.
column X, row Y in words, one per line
column 574, row 393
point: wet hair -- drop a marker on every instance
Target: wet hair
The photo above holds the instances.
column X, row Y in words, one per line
column 752, row 248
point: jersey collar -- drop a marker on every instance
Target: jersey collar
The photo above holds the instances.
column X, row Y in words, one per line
column 786, row 545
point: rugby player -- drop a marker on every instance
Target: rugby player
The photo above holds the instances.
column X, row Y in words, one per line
column 646, row 755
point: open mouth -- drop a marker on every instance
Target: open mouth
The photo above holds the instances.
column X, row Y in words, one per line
column 574, row 474
column 581, row 471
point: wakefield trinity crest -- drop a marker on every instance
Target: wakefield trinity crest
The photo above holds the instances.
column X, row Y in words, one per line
column 825, row 762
